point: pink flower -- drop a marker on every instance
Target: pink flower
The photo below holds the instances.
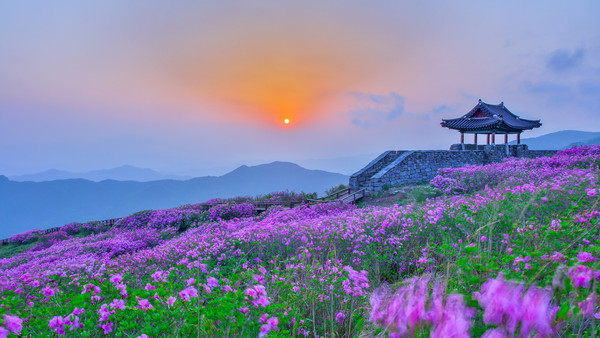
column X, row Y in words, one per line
column 48, row 291
column 580, row 275
column 244, row 310
column 73, row 321
column 188, row 293
column 78, row 311
column 586, row 257
column 4, row 332
column 104, row 312
column 273, row 322
column 505, row 305
column 483, row 238
column 339, row 317
column 143, row 335
column 212, row 282
column 57, row 324
column 91, row 288
column 160, row 276
column 171, row 301
column 190, row 281
column 117, row 304
column 264, row 330
column 149, row 287
column 591, row 192
column 13, row 323
column 144, row 304
column 558, row 257
column 106, row 327
column 262, row 301
column 116, row 279
column 587, row 306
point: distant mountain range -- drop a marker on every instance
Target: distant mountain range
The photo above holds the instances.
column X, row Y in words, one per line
column 122, row 173
column 39, row 205
column 561, row 140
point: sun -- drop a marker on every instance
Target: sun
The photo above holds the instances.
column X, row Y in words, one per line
column 286, row 121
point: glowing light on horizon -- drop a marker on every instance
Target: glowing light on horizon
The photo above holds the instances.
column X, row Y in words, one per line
column 286, row 121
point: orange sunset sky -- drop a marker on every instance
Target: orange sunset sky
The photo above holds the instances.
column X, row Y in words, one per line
column 197, row 87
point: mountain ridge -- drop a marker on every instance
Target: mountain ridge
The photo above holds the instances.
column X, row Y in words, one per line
column 59, row 202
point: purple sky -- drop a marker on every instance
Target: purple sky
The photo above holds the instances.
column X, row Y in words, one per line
column 186, row 86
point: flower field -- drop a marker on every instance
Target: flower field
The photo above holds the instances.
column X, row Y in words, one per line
column 507, row 249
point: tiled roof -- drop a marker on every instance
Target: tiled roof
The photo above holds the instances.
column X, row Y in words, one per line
column 491, row 118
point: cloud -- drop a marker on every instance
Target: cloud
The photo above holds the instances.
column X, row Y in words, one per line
column 562, row 59
column 373, row 109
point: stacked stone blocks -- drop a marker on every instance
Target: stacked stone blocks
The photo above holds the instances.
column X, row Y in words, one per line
column 420, row 166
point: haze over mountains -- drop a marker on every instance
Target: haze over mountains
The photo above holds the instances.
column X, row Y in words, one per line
column 561, row 140
column 39, row 205
column 122, row 173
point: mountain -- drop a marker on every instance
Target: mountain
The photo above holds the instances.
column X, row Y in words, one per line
column 122, row 173
column 561, row 140
column 39, row 205
column 595, row 141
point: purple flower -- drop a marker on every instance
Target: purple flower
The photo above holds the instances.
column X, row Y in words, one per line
column 581, row 276
column 13, row 323
column 212, row 282
column 586, row 257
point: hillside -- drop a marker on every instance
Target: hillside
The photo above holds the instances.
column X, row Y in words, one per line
column 40, row 205
column 507, row 249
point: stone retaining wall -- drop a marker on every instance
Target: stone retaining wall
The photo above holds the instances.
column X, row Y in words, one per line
column 420, row 166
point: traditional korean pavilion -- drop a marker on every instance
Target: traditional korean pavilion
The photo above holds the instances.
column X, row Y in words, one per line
column 490, row 119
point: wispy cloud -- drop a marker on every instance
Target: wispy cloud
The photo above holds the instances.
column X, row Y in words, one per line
column 562, row 59
column 373, row 109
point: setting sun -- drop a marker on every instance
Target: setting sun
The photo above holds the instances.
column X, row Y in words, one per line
column 286, row 121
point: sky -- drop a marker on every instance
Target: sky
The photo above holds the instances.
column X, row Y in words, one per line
column 185, row 87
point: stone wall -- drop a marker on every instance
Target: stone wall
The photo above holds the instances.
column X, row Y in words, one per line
column 420, row 166
column 361, row 177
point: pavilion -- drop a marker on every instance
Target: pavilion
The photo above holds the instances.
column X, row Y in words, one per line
column 490, row 119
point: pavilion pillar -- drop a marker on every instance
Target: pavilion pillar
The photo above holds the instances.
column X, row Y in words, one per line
column 494, row 138
column 518, row 138
column 488, row 139
column 505, row 138
column 462, row 140
column 475, row 140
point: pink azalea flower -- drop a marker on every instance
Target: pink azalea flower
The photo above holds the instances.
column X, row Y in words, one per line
column 264, row 330
column 190, row 281
column 244, row 310
column 117, row 304
column 188, row 293
column 144, row 304
column 586, row 257
column 212, row 282
column 143, row 335
column 13, row 323
column 4, row 332
column 57, row 325
column 587, row 306
column 106, row 327
column 78, row 311
column 149, row 287
column 263, row 301
column 171, row 301
column 116, row 279
column 581, row 276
